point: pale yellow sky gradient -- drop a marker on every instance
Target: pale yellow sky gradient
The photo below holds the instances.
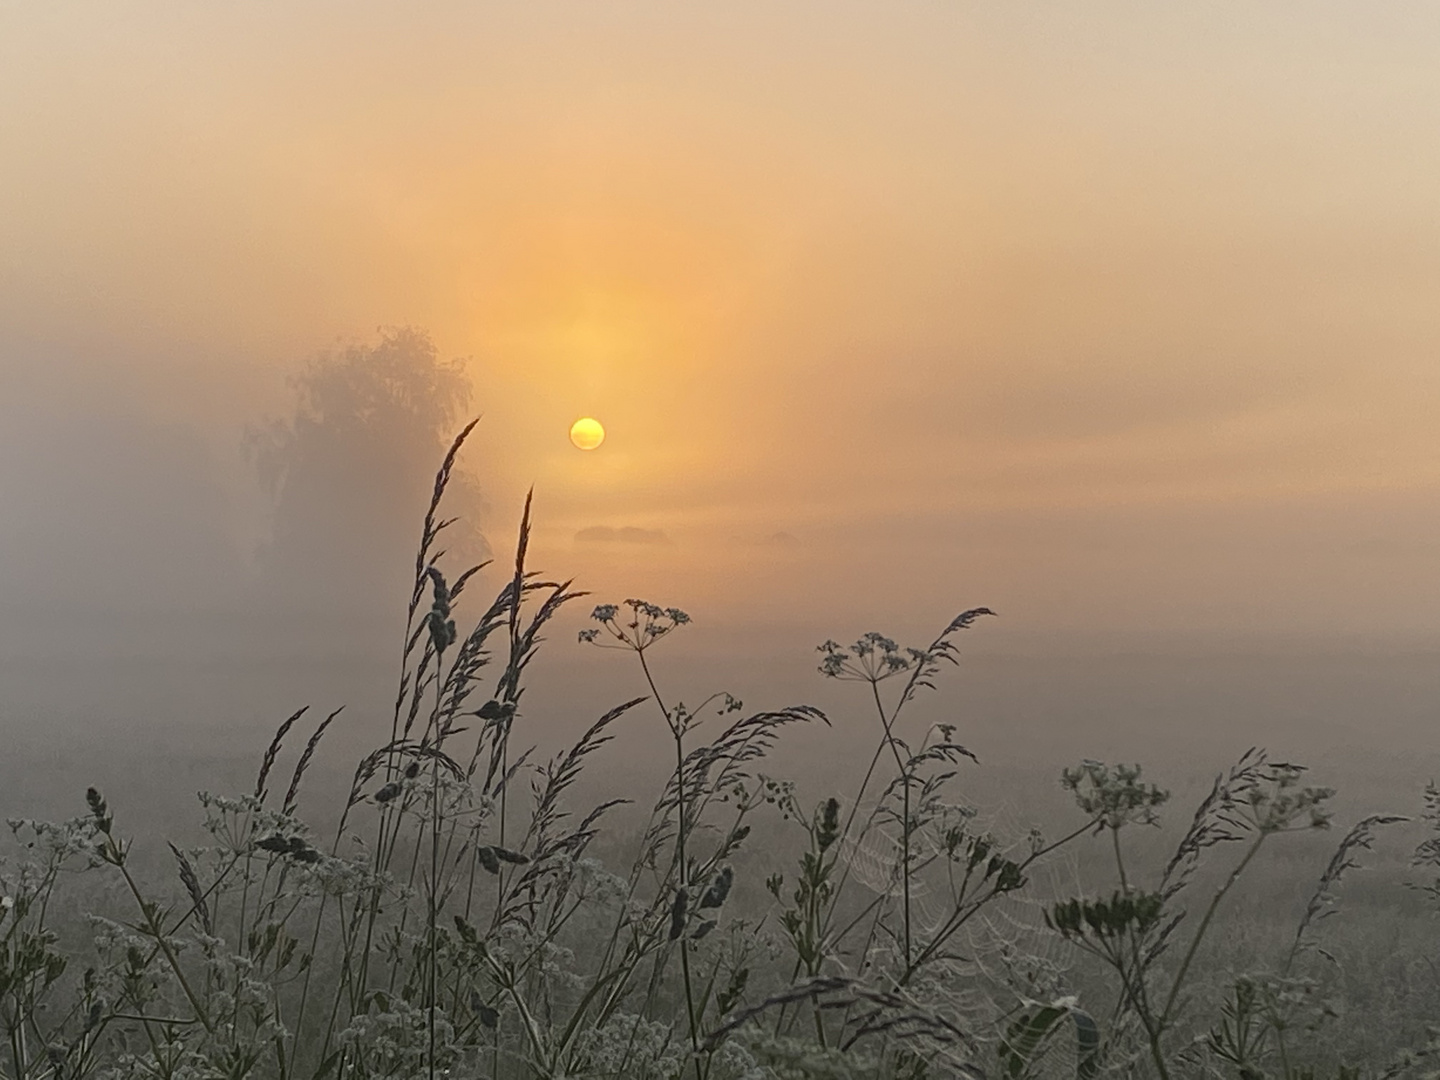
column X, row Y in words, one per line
column 1108, row 313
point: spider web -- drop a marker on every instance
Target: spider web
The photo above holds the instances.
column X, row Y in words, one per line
column 1002, row 951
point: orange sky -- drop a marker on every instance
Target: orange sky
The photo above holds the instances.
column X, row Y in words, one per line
column 1101, row 314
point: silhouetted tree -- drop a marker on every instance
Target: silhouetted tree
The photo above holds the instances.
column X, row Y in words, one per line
column 351, row 473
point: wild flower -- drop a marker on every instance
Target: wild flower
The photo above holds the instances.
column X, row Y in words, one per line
column 635, row 624
column 872, row 658
column 1114, row 797
column 458, row 921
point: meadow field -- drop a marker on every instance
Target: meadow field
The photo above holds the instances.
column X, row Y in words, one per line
column 541, row 858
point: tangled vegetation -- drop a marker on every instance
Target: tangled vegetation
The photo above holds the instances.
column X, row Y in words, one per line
column 457, row 924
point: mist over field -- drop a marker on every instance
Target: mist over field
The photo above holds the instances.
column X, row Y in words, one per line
column 147, row 638
column 144, row 610
column 1094, row 348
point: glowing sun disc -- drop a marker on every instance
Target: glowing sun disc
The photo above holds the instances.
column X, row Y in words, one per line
column 586, row 433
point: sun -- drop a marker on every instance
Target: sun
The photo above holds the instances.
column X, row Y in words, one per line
column 586, row 433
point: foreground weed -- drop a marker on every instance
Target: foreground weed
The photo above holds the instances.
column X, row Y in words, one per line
column 1133, row 932
column 456, row 923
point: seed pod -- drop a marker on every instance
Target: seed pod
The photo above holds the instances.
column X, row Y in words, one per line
column 192, row 886
column 487, row 1015
column 677, row 913
column 719, row 889
column 829, row 824
column 466, row 932
column 98, row 810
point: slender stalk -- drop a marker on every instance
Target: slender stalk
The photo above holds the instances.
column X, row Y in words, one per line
column 158, row 932
column 432, row 976
column 1184, row 968
column 905, row 868
column 681, row 866
column 1119, row 860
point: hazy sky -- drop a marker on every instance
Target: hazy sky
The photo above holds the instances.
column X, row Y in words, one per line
column 1103, row 314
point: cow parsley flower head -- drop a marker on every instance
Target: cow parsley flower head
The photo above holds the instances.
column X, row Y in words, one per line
column 875, row 657
column 872, row 658
column 634, row 624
